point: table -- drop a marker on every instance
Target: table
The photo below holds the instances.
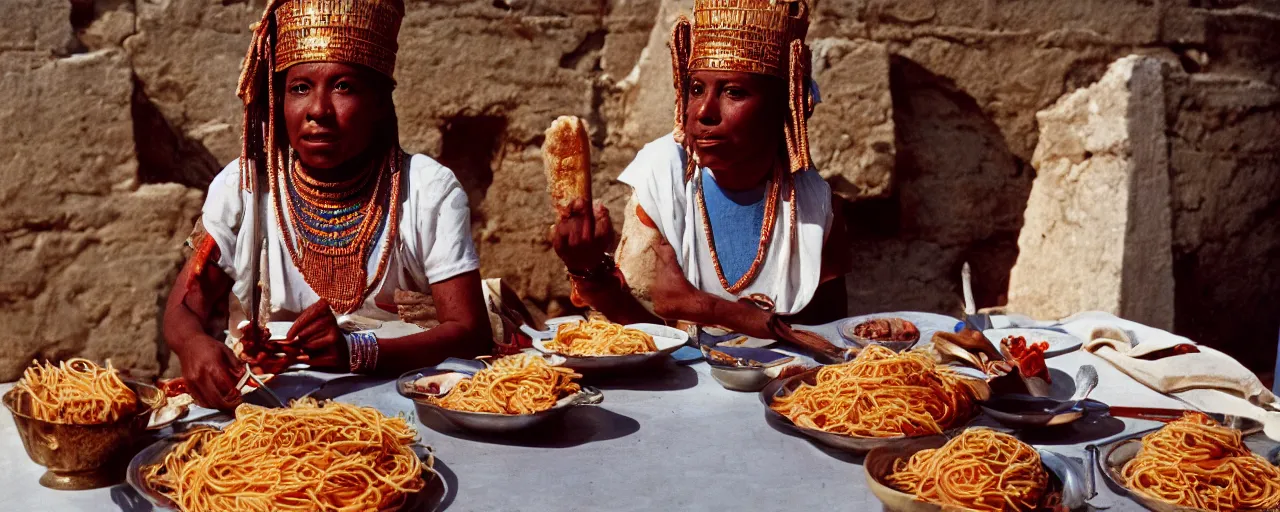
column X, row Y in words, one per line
column 671, row 441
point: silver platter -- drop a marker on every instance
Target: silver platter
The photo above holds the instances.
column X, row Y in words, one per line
column 484, row 422
column 426, row 500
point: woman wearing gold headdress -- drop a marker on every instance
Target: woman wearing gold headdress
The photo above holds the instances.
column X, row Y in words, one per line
column 323, row 215
column 728, row 223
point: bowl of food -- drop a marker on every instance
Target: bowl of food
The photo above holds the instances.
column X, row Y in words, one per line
column 80, row 421
column 596, row 345
column 879, row 399
column 1192, row 464
column 893, row 333
column 513, row 393
column 272, row 459
column 749, row 369
column 979, row 469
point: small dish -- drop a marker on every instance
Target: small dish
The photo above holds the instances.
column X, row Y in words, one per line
column 1059, row 342
column 745, row 369
column 896, row 327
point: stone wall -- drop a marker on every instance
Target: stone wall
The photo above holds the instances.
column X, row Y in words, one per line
column 125, row 109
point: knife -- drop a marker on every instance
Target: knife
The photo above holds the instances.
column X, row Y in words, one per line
column 263, row 386
column 1156, row 414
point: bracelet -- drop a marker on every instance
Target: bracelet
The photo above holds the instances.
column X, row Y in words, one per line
column 604, row 269
column 362, row 351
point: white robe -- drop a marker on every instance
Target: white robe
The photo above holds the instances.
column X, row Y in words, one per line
column 434, row 241
column 792, row 267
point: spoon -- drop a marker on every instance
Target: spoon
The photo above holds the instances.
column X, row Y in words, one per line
column 1086, row 380
column 1075, row 488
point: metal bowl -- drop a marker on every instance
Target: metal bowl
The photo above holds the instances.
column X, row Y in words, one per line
column 426, row 500
column 486, row 422
column 667, row 339
column 750, row 368
column 856, row 444
column 82, row 456
column 747, row 378
column 1112, row 460
column 879, row 465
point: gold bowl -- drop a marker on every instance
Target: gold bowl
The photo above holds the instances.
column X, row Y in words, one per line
column 83, row 456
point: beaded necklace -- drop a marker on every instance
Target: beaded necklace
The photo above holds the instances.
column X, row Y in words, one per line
column 337, row 226
column 772, row 196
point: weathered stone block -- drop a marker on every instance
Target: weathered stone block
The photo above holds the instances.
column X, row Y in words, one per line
column 851, row 131
column 187, row 55
column 38, row 26
column 88, row 253
column 1097, row 231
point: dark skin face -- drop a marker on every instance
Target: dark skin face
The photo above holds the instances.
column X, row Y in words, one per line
column 331, row 113
column 734, row 122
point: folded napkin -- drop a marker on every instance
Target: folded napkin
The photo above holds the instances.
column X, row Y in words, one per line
column 1204, row 369
column 1206, row 379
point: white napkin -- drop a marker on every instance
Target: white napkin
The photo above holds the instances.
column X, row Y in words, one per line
column 1207, row 369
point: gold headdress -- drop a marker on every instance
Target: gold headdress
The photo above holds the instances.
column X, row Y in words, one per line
column 753, row 36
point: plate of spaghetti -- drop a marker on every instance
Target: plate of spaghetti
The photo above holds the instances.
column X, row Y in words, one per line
column 511, row 393
column 1192, row 464
column 879, row 398
column 600, row 344
column 308, row 456
column 979, row 469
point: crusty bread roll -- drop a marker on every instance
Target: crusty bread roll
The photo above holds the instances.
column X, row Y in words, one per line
column 566, row 153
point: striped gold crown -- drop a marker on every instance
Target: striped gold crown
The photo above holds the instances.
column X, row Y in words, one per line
column 752, row 36
column 350, row 31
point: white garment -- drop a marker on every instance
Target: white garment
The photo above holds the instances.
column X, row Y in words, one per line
column 434, row 241
column 793, row 263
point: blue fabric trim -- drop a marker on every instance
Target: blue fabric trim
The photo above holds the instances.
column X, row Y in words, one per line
column 736, row 218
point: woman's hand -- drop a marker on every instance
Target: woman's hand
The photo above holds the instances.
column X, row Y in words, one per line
column 315, row 333
column 211, row 371
column 674, row 297
column 582, row 236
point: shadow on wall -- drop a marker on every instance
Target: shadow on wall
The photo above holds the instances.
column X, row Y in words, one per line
column 959, row 195
column 166, row 155
column 469, row 147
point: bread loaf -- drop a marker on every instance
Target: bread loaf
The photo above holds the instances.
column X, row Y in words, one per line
column 566, row 153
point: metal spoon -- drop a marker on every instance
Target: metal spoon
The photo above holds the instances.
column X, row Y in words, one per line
column 1075, row 489
column 1086, row 380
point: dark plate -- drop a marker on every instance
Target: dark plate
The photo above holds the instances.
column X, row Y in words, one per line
column 1021, row 410
column 426, row 500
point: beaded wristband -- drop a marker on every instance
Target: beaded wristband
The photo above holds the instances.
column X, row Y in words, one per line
column 362, row 351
